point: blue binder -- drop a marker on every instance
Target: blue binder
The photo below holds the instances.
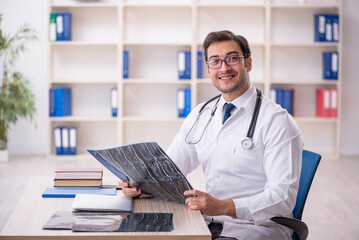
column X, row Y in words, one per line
column 52, row 102
column 71, row 192
column 199, row 64
column 330, row 65
column 187, row 102
column 58, row 141
column 180, row 102
column 283, row 97
column 62, row 101
column 63, row 26
column 65, row 139
column 184, row 64
column 72, row 140
column 319, row 27
column 114, row 101
column 334, row 19
column 126, row 64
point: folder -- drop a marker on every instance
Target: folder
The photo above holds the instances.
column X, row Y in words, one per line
column 71, row 192
column 72, row 141
column 330, row 65
column 114, row 101
column 57, row 140
column 187, row 102
column 63, row 26
column 199, row 64
column 180, row 102
column 319, row 27
column 333, row 103
column 126, row 64
column 60, row 99
column 65, row 140
column 52, row 27
column 184, row 64
column 323, row 103
column 52, row 102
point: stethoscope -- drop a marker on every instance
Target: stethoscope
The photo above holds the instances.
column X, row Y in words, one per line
column 247, row 142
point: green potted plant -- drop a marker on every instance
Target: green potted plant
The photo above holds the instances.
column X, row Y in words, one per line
column 16, row 98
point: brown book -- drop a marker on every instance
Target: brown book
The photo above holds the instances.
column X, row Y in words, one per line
column 77, row 182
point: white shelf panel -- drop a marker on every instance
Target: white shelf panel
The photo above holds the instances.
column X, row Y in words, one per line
column 152, row 119
column 304, row 3
column 78, row 4
column 83, row 43
column 158, row 43
column 83, row 119
column 157, row 3
column 307, row 44
column 155, row 81
column 83, row 81
column 313, row 82
column 231, row 3
column 315, row 120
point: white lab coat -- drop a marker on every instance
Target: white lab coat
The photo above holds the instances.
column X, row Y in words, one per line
column 262, row 181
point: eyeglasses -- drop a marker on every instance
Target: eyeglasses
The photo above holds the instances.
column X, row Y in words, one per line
column 230, row 61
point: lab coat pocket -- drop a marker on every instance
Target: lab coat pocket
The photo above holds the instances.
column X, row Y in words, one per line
column 247, row 160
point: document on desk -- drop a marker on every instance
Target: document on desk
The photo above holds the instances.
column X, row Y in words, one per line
column 146, row 166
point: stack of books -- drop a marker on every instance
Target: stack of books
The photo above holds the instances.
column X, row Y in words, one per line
column 78, row 177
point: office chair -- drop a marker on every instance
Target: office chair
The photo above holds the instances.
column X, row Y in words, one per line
column 310, row 162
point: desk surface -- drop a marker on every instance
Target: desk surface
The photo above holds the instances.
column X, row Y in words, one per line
column 32, row 212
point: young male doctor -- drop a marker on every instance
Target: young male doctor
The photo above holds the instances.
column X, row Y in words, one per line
column 250, row 149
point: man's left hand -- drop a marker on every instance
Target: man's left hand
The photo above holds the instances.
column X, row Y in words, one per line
column 209, row 205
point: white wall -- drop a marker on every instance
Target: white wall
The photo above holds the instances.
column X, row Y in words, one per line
column 25, row 139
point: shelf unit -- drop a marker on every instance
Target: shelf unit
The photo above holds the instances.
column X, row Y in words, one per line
column 281, row 37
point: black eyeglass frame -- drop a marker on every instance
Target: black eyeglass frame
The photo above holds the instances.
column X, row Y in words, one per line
column 224, row 60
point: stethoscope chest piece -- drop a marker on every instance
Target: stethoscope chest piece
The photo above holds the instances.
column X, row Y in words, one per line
column 247, row 143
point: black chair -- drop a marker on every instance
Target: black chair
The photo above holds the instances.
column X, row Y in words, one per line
column 310, row 162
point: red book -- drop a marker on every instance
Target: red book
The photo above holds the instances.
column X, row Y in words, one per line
column 78, row 173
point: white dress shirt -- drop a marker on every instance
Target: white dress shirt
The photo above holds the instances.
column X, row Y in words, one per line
column 262, row 181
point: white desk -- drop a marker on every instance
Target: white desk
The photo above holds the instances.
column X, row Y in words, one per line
column 32, row 212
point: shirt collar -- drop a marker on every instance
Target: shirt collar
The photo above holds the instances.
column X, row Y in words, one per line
column 246, row 101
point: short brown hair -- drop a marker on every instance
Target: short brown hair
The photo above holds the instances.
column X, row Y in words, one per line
column 224, row 36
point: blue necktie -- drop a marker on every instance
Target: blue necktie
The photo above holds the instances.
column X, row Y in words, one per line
column 227, row 111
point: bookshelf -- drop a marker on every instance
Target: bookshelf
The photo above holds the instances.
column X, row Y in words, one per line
column 281, row 37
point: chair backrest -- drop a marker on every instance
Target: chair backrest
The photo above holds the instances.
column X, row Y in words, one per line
column 310, row 162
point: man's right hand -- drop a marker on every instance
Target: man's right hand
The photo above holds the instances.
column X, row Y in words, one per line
column 129, row 191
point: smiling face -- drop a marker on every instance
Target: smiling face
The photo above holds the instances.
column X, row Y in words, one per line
column 233, row 80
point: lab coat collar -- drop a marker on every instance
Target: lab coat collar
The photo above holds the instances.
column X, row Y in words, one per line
column 246, row 101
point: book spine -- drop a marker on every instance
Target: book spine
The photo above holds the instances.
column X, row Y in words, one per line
column 184, row 64
column 114, row 101
column 319, row 28
column 63, row 102
column 63, row 26
column 126, row 64
column 65, row 140
column 187, row 102
column 333, row 103
column 52, row 27
column 199, row 64
column 73, row 140
column 52, row 102
column 180, row 102
column 58, row 141
column 328, row 28
column 335, row 28
column 330, row 65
